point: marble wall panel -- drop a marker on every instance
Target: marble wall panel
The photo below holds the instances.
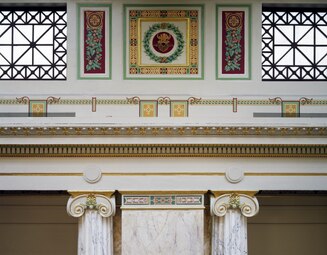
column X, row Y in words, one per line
column 155, row 232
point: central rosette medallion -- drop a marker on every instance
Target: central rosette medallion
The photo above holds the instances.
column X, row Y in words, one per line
column 163, row 42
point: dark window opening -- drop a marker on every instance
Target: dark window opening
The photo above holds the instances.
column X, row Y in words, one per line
column 294, row 42
column 33, row 42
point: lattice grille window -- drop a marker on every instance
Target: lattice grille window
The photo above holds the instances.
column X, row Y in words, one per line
column 33, row 42
column 294, row 43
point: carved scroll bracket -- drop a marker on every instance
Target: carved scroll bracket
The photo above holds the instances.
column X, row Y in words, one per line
column 247, row 204
column 103, row 202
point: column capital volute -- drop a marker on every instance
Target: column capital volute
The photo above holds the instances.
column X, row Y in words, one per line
column 246, row 202
column 101, row 201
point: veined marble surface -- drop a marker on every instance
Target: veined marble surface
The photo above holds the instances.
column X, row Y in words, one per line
column 117, row 232
column 95, row 234
column 207, row 232
column 162, row 232
column 229, row 234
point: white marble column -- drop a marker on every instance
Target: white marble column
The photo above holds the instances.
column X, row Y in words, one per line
column 229, row 222
column 95, row 211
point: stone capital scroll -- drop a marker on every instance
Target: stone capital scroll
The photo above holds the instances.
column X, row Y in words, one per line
column 247, row 204
column 103, row 202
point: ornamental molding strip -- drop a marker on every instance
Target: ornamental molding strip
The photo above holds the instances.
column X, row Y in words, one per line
column 156, row 131
column 193, row 100
column 162, row 201
column 163, row 150
column 104, row 203
column 248, row 205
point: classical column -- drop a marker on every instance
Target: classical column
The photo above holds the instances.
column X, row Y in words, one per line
column 229, row 222
column 95, row 211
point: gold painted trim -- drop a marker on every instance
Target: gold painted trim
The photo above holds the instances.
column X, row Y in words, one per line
column 75, row 193
column 166, row 174
column 163, row 174
column 285, row 174
column 41, row 174
column 163, row 150
column 164, row 131
column 163, row 192
column 250, row 193
column 163, row 208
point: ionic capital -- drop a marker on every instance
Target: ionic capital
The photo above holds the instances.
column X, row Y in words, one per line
column 246, row 203
column 101, row 201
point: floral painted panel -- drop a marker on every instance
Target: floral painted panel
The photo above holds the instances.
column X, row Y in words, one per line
column 94, row 32
column 233, row 47
column 233, row 42
column 94, row 50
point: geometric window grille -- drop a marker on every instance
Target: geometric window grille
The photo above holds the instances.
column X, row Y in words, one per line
column 294, row 43
column 33, row 42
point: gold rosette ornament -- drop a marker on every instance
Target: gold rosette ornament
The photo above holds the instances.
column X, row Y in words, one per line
column 94, row 19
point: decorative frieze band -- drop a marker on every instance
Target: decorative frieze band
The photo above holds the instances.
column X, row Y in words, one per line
column 131, row 100
column 163, row 150
column 104, row 203
column 162, row 201
column 164, row 131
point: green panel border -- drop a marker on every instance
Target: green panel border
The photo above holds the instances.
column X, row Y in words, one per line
column 249, row 41
column 125, row 6
column 79, row 42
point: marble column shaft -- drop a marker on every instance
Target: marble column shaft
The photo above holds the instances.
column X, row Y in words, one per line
column 95, row 227
column 229, row 223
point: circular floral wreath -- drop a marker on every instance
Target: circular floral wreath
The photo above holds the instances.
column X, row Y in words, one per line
column 179, row 37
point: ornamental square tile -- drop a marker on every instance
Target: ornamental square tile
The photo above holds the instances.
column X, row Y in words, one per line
column 162, row 200
column 136, row 200
column 189, row 200
column 37, row 108
column 178, row 109
column 148, row 108
column 290, row 109
column 163, row 41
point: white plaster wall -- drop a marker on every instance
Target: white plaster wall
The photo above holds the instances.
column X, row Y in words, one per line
column 42, row 173
column 149, row 89
column 209, row 86
column 163, row 173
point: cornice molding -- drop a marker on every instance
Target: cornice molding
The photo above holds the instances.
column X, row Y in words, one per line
column 163, row 150
column 167, row 131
